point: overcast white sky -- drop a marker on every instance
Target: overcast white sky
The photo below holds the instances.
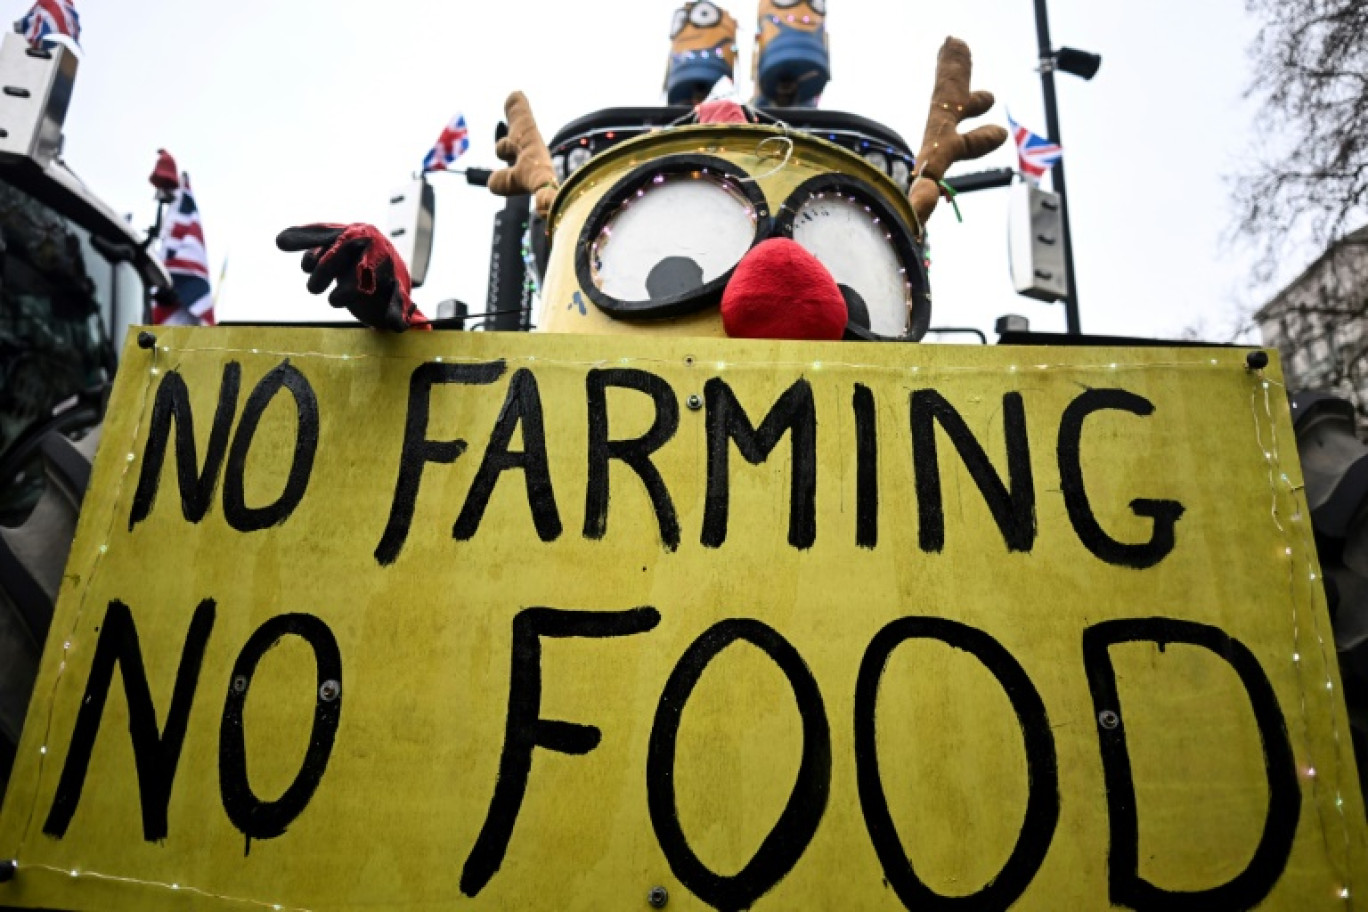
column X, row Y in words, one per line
column 285, row 113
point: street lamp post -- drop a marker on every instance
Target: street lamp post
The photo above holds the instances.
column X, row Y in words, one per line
column 1047, row 68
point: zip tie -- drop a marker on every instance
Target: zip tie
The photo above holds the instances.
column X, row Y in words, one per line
column 950, row 193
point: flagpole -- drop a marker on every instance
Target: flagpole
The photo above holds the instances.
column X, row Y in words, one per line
column 223, row 275
column 1047, row 67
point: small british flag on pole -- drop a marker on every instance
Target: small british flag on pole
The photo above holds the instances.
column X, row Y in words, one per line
column 49, row 18
column 453, row 142
column 1035, row 153
column 183, row 254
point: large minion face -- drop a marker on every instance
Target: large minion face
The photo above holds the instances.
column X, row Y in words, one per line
column 647, row 237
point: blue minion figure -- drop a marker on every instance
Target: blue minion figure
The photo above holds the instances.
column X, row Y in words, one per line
column 792, row 59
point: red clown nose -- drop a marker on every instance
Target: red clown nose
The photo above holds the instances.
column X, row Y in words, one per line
column 780, row 291
column 721, row 111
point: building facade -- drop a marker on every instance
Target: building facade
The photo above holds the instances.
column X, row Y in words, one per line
column 1319, row 323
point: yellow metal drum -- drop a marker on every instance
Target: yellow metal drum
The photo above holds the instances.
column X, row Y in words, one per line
column 767, row 163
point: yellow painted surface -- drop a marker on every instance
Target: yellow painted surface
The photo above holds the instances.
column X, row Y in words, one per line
column 426, row 642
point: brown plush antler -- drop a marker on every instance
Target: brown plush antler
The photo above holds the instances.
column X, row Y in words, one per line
column 529, row 160
column 942, row 143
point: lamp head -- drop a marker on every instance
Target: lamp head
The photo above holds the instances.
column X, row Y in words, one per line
column 165, row 177
column 1083, row 64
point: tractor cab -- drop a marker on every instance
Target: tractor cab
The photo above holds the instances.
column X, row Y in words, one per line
column 73, row 277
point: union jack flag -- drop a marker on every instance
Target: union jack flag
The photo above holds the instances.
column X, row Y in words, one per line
column 455, row 139
column 1036, row 154
column 185, row 258
column 47, row 18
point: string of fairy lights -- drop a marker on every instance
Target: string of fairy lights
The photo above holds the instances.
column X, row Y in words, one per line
column 1273, row 457
column 1314, row 681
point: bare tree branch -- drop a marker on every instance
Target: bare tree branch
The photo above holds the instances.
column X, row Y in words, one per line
column 1311, row 73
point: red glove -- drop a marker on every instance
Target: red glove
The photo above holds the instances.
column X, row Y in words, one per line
column 372, row 280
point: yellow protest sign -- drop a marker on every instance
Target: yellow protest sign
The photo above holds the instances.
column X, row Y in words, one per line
column 498, row 621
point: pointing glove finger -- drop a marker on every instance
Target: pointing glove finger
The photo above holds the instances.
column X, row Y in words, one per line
column 305, row 237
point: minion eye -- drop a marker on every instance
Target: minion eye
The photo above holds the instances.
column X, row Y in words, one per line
column 786, row 4
column 705, row 15
column 818, row 6
column 868, row 250
column 681, row 19
column 665, row 241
